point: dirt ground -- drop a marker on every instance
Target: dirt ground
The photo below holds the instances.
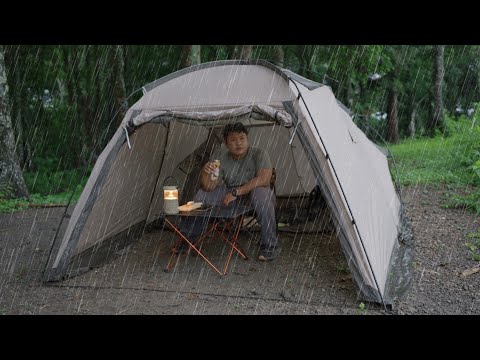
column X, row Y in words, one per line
column 310, row 277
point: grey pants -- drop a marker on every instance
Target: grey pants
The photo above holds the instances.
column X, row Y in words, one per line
column 262, row 200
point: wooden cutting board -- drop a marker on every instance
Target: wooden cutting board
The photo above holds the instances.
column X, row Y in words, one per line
column 190, row 207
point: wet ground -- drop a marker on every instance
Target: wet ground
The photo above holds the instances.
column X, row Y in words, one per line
column 310, row 276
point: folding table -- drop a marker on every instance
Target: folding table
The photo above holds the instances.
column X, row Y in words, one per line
column 224, row 222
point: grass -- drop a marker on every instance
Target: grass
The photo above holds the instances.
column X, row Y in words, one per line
column 48, row 186
column 49, row 180
column 453, row 161
column 13, row 205
column 474, row 246
column 438, row 160
column 361, row 309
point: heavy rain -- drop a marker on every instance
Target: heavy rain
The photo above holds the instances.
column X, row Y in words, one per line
column 351, row 187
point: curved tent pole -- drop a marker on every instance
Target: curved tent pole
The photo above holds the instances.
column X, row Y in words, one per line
column 78, row 184
column 343, row 193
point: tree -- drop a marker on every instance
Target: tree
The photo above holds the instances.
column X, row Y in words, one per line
column 278, row 55
column 11, row 178
column 119, row 88
column 392, row 122
column 190, row 55
column 243, row 52
column 14, row 59
column 436, row 118
column 304, row 59
column 393, row 90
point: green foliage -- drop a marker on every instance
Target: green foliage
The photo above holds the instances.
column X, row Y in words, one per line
column 439, row 160
column 361, row 309
column 461, row 76
column 474, row 246
column 48, row 179
column 343, row 268
column 454, row 160
column 13, row 205
column 61, row 198
column 8, row 205
column 470, row 201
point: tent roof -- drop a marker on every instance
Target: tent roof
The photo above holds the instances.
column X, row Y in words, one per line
column 283, row 72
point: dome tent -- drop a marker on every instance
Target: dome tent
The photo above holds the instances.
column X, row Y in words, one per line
column 309, row 135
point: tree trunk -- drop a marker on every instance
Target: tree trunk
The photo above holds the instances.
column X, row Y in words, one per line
column 11, row 59
column 119, row 90
column 392, row 122
column 412, row 125
column 301, row 50
column 436, row 117
column 196, row 54
column 11, row 178
column 89, row 100
column 190, row 55
column 230, row 52
column 278, row 55
column 243, row 52
column 69, row 70
column 350, row 93
column 71, row 59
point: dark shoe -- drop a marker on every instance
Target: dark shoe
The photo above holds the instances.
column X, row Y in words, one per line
column 269, row 255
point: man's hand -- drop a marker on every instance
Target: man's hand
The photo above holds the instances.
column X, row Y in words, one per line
column 228, row 199
column 205, row 177
column 209, row 168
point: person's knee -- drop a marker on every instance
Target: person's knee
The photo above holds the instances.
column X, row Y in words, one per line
column 262, row 196
column 262, row 193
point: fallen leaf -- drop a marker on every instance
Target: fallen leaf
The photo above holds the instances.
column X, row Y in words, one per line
column 471, row 271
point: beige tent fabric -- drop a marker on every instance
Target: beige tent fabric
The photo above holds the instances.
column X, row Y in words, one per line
column 125, row 196
column 182, row 140
column 344, row 218
column 362, row 171
column 224, row 86
column 294, row 174
column 80, row 206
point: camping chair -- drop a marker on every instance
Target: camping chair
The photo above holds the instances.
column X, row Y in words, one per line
column 247, row 227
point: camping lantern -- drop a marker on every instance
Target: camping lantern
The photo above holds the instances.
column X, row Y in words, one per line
column 170, row 198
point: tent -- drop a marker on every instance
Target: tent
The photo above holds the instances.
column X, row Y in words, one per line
column 308, row 133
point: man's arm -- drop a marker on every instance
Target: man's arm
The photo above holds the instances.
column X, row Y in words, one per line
column 261, row 180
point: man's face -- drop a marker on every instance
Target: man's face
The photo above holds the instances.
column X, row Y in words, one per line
column 237, row 144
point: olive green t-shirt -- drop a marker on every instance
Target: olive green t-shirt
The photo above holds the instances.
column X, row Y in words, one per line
column 235, row 173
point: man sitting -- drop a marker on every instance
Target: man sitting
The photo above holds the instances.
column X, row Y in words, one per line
column 244, row 177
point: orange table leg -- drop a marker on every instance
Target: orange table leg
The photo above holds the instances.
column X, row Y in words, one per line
column 213, row 228
column 191, row 247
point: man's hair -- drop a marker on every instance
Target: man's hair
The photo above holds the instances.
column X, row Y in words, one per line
column 237, row 127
